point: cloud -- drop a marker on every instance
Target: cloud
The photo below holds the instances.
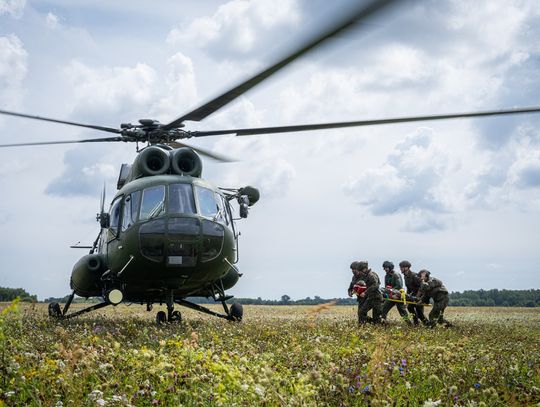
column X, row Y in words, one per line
column 51, row 20
column 111, row 90
column 509, row 175
column 180, row 89
column 525, row 171
column 13, row 69
column 86, row 168
column 13, row 7
column 239, row 27
column 411, row 180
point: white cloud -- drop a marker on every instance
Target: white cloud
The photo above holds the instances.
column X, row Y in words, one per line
column 238, row 26
column 113, row 90
column 412, row 181
column 51, row 20
column 181, row 89
column 13, row 69
column 13, row 7
column 525, row 171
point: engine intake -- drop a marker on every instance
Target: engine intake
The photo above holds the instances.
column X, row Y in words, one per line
column 185, row 161
column 151, row 161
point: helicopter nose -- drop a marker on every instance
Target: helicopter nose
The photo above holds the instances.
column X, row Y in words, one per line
column 181, row 241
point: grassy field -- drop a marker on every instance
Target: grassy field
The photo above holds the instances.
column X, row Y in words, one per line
column 277, row 356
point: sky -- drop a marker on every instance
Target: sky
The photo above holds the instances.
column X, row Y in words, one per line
column 458, row 197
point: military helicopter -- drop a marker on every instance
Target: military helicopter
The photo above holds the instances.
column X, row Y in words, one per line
column 169, row 234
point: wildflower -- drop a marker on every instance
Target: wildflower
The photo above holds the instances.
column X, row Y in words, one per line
column 59, row 404
column 366, row 389
column 95, row 395
column 477, row 385
column 351, row 389
column 407, row 385
column 431, row 403
column 403, row 362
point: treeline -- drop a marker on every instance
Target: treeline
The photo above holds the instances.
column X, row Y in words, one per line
column 496, row 298
column 469, row 298
column 9, row 294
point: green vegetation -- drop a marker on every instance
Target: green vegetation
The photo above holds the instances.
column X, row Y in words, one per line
column 10, row 294
column 300, row 355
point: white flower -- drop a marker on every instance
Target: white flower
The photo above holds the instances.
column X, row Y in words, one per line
column 259, row 390
column 430, row 403
column 95, row 395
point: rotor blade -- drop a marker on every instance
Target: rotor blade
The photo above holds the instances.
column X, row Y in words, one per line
column 102, row 203
column 305, row 127
column 354, row 17
column 41, row 143
column 46, row 119
column 206, row 153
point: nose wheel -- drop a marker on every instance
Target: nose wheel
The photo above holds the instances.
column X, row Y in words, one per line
column 171, row 315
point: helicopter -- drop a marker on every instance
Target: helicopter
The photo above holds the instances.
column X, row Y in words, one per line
column 169, row 234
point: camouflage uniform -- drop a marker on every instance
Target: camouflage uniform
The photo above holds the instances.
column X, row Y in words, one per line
column 434, row 288
column 372, row 299
column 412, row 282
column 393, row 280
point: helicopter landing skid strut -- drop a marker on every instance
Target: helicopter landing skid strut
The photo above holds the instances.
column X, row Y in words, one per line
column 56, row 312
column 205, row 310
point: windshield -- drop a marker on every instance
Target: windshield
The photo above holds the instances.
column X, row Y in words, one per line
column 181, row 199
column 153, row 202
column 207, row 202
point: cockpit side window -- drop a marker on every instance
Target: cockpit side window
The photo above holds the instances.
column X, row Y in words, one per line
column 207, row 202
column 153, row 202
column 222, row 215
column 181, row 199
column 115, row 215
column 131, row 207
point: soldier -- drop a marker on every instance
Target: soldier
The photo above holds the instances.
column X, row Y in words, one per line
column 434, row 288
column 412, row 282
column 356, row 281
column 355, row 278
column 372, row 298
column 392, row 281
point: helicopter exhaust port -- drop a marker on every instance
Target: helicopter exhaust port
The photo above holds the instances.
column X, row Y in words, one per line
column 114, row 296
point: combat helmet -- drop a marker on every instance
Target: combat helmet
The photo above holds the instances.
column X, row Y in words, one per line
column 388, row 264
column 362, row 265
column 405, row 263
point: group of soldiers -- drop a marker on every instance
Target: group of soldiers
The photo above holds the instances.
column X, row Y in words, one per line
column 421, row 287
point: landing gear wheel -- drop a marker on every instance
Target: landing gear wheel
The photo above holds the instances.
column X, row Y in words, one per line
column 54, row 310
column 161, row 317
column 176, row 316
column 236, row 312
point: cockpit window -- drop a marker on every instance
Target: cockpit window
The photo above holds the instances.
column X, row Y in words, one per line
column 115, row 214
column 181, row 199
column 207, row 202
column 153, row 202
column 131, row 207
column 222, row 215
